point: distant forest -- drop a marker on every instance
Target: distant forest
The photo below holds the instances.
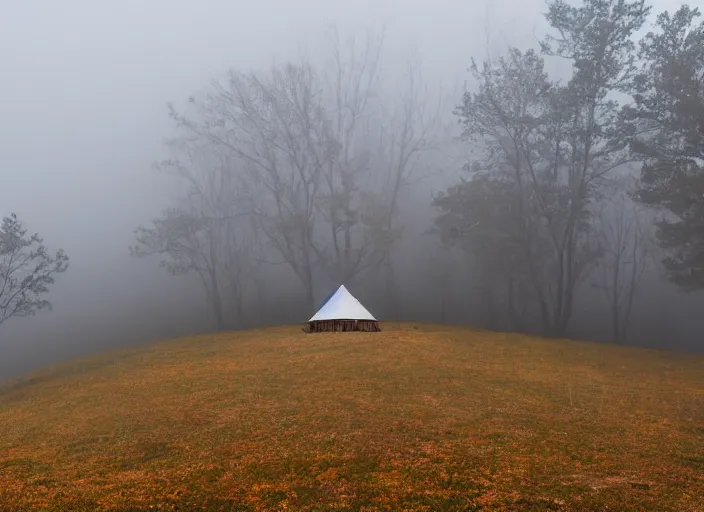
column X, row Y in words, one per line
column 565, row 206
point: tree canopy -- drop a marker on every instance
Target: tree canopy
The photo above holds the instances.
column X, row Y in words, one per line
column 27, row 270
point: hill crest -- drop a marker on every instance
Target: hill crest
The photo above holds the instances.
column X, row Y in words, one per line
column 415, row 416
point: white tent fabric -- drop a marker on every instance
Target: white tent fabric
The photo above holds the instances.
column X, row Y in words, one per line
column 342, row 306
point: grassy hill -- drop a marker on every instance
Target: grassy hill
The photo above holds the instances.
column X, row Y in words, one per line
column 414, row 418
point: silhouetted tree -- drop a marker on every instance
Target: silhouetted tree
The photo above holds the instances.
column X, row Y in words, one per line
column 626, row 248
column 278, row 128
column 668, row 126
column 320, row 157
column 203, row 233
column 547, row 148
column 345, row 200
column 409, row 132
column 26, row 270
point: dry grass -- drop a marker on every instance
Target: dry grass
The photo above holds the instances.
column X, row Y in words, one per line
column 426, row 418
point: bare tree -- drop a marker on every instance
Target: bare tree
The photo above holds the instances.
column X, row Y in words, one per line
column 321, row 165
column 204, row 234
column 410, row 131
column 315, row 157
column 625, row 260
column 276, row 127
column 352, row 77
column 26, row 270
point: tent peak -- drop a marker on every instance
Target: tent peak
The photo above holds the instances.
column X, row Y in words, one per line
column 342, row 305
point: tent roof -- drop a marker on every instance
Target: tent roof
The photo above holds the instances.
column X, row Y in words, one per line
column 342, row 306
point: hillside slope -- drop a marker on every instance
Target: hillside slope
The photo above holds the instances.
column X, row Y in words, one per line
column 416, row 418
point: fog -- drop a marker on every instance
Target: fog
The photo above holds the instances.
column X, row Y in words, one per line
column 83, row 118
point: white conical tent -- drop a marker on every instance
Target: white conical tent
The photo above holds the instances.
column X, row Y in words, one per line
column 342, row 306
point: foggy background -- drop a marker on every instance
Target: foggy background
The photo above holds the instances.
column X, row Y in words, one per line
column 83, row 118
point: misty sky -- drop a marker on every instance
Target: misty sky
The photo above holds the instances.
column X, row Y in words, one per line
column 83, row 94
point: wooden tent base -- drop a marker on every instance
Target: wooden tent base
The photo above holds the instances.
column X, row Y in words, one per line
column 343, row 326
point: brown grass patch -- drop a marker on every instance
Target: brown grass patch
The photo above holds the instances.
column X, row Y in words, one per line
column 418, row 417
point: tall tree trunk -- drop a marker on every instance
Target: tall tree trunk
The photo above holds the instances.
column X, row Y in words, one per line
column 216, row 300
column 391, row 290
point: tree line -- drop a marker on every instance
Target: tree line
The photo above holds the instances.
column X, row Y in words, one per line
column 571, row 184
column 564, row 189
